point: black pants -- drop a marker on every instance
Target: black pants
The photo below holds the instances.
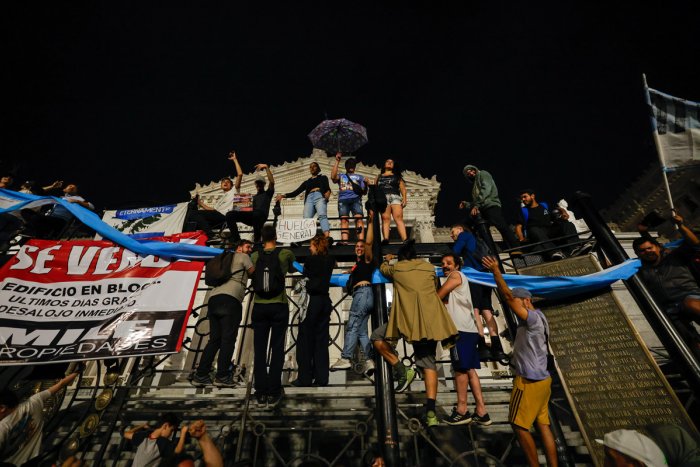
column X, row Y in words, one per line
column 312, row 342
column 564, row 228
column 541, row 234
column 205, row 220
column 255, row 219
column 494, row 215
column 9, row 225
column 224, row 313
column 270, row 322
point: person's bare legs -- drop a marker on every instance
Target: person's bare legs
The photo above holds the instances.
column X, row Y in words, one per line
column 475, row 385
column 360, row 225
column 527, row 444
column 430, row 377
column 386, row 223
column 461, row 383
column 479, row 322
column 491, row 323
column 386, row 351
column 397, row 214
column 344, row 225
column 550, row 446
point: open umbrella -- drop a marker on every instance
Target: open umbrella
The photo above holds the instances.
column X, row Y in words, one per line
column 339, row 135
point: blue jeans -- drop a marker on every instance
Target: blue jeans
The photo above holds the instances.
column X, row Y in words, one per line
column 316, row 203
column 356, row 329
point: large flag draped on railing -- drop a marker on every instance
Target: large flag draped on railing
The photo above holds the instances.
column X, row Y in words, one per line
column 548, row 287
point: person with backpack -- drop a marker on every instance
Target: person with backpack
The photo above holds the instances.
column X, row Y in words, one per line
column 270, row 317
column 225, row 310
column 312, row 341
column 351, row 188
column 472, row 250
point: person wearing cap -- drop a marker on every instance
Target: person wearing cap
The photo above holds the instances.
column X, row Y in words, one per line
column 486, row 203
column 630, row 448
column 529, row 401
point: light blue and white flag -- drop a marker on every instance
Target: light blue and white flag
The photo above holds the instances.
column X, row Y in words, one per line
column 677, row 123
column 158, row 221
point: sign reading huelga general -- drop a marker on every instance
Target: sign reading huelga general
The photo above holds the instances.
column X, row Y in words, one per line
column 79, row 300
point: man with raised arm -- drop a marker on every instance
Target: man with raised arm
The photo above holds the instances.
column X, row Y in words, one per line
column 256, row 214
column 532, row 386
column 22, row 423
column 206, row 217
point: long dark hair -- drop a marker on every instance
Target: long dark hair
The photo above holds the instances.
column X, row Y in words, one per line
column 397, row 170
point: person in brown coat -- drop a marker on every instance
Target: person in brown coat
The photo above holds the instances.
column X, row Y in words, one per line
column 418, row 316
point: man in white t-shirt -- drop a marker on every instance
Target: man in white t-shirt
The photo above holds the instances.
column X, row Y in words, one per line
column 465, row 356
column 21, row 423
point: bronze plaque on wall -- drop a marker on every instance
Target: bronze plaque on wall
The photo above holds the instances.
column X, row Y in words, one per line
column 610, row 378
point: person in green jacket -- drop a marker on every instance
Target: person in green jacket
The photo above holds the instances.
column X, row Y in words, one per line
column 485, row 202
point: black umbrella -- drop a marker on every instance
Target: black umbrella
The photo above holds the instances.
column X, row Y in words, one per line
column 339, row 135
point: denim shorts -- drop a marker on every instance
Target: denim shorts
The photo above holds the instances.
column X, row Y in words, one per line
column 348, row 206
column 393, row 199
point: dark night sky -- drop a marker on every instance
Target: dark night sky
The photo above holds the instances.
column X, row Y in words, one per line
column 139, row 103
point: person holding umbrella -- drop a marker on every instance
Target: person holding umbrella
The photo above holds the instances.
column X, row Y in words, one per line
column 316, row 190
column 390, row 182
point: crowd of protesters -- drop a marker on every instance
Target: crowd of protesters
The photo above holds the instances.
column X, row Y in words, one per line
column 454, row 312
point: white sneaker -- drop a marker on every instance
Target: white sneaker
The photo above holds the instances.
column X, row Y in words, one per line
column 369, row 367
column 341, row 364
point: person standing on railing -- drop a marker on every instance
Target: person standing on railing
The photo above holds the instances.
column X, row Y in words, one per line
column 255, row 215
column 419, row 317
column 312, row 340
column 390, row 182
column 532, row 385
column 225, row 310
column 270, row 316
column 317, row 191
column 362, row 303
column 351, row 188
column 485, row 202
column 465, row 357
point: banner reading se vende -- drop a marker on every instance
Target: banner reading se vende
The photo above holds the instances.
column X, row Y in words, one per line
column 80, row 300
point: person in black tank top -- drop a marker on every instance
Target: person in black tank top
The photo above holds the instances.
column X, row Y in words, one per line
column 362, row 304
column 391, row 183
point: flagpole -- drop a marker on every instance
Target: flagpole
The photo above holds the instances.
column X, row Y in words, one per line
column 657, row 143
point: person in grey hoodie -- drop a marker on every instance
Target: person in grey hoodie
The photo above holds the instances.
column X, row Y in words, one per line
column 485, row 202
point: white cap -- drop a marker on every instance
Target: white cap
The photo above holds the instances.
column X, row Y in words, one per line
column 635, row 445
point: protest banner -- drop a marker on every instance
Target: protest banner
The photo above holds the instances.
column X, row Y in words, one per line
column 149, row 222
column 80, row 300
column 295, row 230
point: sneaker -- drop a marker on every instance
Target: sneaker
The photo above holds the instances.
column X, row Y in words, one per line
column 481, row 419
column 582, row 249
column 369, row 367
column 273, row 401
column 201, row 381
column 225, row 382
column 405, row 380
column 261, row 400
column 557, row 255
column 341, row 364
column 431, row 419
column 457, row 418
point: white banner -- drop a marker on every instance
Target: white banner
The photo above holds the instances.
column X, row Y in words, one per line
column 148, row 222
column 82, row 300
column 295, row 230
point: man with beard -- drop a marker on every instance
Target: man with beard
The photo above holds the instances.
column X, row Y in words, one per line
column 670, row 280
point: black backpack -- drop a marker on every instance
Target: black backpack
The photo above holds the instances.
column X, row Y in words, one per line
column 481, row 250
column 268, row 278
column 218, row 270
